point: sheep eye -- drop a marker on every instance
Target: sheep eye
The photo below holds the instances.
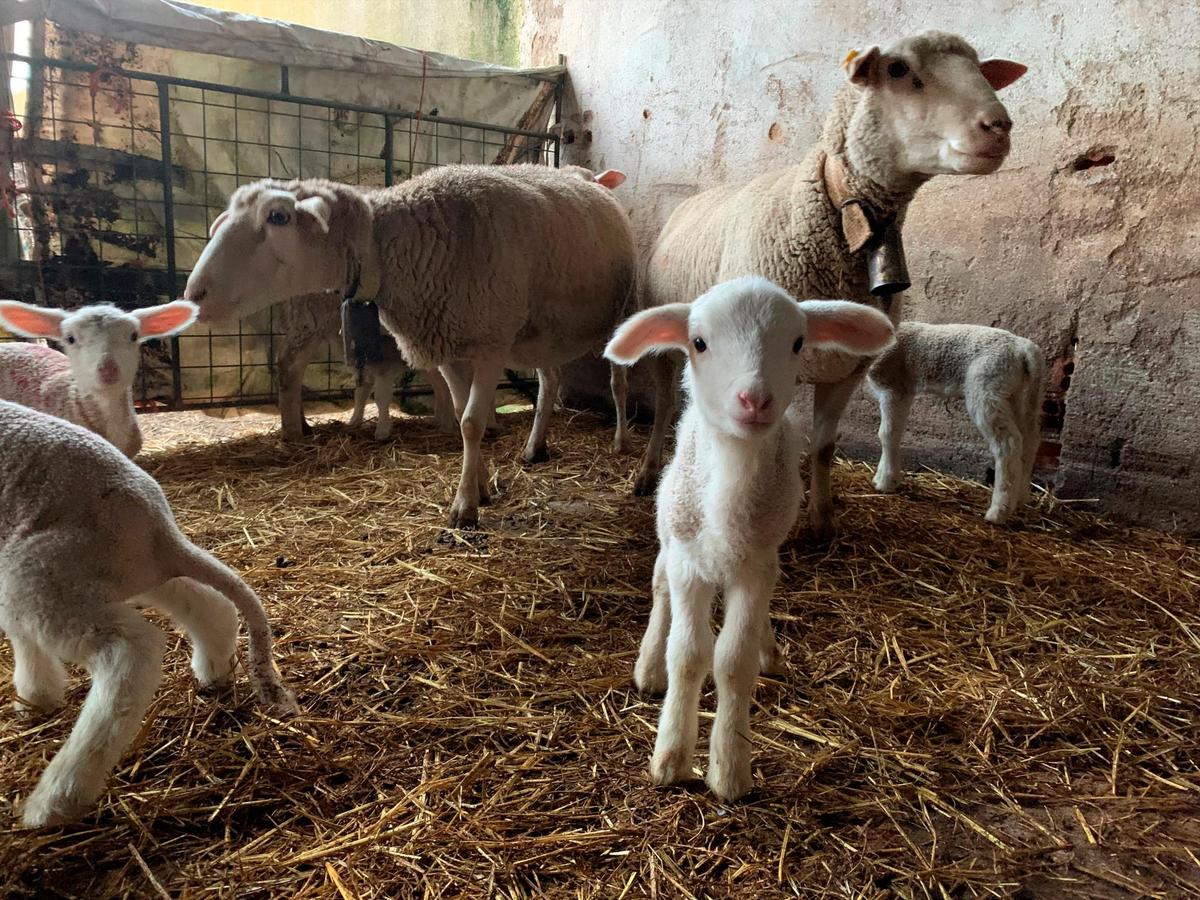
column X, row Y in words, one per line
column 70, row 339
column 133, row 337
column 278, row 217
column 699, row 344
column 897, row 69
column 796, row 346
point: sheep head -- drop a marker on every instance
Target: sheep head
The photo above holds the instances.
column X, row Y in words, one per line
column 277, row 241
column 927, row 107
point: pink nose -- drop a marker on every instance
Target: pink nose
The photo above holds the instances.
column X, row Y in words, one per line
column 110, row 372
column 753, row 401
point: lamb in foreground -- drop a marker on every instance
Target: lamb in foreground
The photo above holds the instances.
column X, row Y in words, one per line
column 727, row 500
column 473, row 268
column 92, row 384
column 85, row 534
column 924, row 106
column 1000, row 375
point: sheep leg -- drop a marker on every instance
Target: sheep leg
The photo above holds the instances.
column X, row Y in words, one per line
column 123, row 654
column 535, row 448
column 472, row 486
column 894, row 407
column 384, row 386
column 997, row 422
column 665, row 369
column 361, row 393
column 618, row 380
column 736, row 667
column 211, row 623
column 829, row 402
column 293, row 358
column 1030, row 404
column 39, row 679
column 689, row 660
column 769, row 658
column 443, row 403
column 650, row 671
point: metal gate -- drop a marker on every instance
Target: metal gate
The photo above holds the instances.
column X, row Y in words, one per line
column 107, row 204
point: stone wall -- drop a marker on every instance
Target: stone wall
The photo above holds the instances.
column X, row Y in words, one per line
column 1085, row 241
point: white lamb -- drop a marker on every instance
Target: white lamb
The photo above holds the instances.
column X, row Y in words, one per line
column 1000, row 375
column 84, row 534
column 727, row 500
column 92, row 384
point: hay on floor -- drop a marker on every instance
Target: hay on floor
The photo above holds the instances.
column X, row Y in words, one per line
column 965, row 710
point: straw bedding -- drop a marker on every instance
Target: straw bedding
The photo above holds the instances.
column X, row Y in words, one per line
column 965, row 710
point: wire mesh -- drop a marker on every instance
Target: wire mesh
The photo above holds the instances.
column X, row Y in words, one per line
column 117, row 175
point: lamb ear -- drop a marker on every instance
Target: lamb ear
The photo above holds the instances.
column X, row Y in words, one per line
column 860, row 66
column 31, row 321
column 216, row 223
column 850, row 327
column 317, row 207
column 650, row 331
column 166, row 319
column 611, row 178
column 1000, row 73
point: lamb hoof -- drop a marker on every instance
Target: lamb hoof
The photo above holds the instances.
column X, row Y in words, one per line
column 770, row 661
column 650, row 679
column 997, row 516
column 532, row 458
column 821, row 527
column 730, row 782
column 45, row 808
column 383, row 436
column 645, row 484
column 305, row 428
column 463, row 516
column 278, row 699
column 213, row 675
column 296, row 437
column 670, row 767
column 621, row 445
column 886, row 485
column 37, row 706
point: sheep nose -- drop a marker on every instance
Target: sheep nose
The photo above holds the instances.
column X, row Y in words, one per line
column 754, row 401
column 995, row 122
column 110, row 372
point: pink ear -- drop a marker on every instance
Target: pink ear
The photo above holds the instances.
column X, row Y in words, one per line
column 216, row 223
column 169, row 318
column 1000, row 73
column 859, row 66
column 31, row 321
column 611, row 178
column 661, row 328
column 852, row 327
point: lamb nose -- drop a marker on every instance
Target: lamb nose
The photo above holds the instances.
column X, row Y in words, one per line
column 995, row 124
column 754, row 402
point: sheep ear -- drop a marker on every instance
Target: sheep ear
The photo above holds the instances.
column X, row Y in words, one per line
column 1000, row 73
column 31, row 321
column 318, row 208
column 611, row 178
column 216, row 223
column 860, row 66
column 167, row 319
column 650, row 331
column 850, row 327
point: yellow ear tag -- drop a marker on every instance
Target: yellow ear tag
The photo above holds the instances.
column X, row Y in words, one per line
column 850, row 57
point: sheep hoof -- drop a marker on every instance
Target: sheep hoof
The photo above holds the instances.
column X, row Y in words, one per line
column 820, row 526
column 37, row 706
column 463, row 516
column 213, row 675
column 670, row 767
column 886, row 485
column 383, row 436
column 730, row 782
column 621, row 445
column 650, row 679
column 46, row 807
column 533, row 457
column 278, row 699
column 997, row 516
column 645, row 484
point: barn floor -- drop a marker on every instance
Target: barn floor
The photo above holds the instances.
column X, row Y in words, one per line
column 965, row 710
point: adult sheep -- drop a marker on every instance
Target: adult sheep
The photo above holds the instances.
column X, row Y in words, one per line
column 472, row 267
column 925, row 106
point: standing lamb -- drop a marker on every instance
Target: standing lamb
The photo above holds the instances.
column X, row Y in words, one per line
column 1000, row 375
column 925, row 106
column 471, row 266
column 92, row 384
column 84, row 531
column 306, row 323
column 727, row 500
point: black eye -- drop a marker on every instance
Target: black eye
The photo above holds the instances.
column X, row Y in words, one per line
column 796, row 346
column 278, row 217
column 918, row 83
column 699, row 344
column 133, row 337
column 70, row 338
column 897, row 69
